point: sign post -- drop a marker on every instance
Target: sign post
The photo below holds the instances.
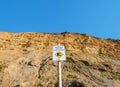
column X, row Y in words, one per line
column 60, row 74
column 59, row 55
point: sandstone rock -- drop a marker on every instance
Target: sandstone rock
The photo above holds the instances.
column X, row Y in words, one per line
column 26, row 60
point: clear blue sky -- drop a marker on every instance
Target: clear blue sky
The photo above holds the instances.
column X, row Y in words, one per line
column 100, row 18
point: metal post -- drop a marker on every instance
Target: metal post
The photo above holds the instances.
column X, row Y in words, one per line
column 60, row 75
column 59, row 72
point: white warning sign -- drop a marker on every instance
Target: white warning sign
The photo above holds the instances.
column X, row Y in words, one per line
column 59, row 53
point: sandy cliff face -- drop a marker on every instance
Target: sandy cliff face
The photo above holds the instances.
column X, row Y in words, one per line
column 26, row 60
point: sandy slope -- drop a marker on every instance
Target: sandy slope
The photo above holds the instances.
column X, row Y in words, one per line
column 26, row 60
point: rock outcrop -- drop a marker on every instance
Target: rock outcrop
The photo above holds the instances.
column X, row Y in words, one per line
column 26, row 60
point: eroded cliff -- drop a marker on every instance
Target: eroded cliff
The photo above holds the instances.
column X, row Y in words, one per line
column 26, row 60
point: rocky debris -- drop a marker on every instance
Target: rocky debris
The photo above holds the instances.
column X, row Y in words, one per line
column 77, row 84
column 74, row 83
column 26, row 60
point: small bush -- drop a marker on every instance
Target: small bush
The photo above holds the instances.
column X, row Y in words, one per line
column 71, row 76
column 2, row 67
column 116, row 77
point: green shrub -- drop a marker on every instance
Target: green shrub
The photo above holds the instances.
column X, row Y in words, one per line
column 116, row 77
column 71, row 76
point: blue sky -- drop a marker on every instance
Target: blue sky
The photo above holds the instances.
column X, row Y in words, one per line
column 100, row 18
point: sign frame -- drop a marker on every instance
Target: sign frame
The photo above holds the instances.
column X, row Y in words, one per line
column 59, row 53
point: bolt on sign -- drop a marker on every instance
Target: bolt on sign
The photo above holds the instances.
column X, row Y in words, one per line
column 59, row 53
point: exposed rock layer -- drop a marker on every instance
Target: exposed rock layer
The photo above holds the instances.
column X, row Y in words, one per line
column 26, row 60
